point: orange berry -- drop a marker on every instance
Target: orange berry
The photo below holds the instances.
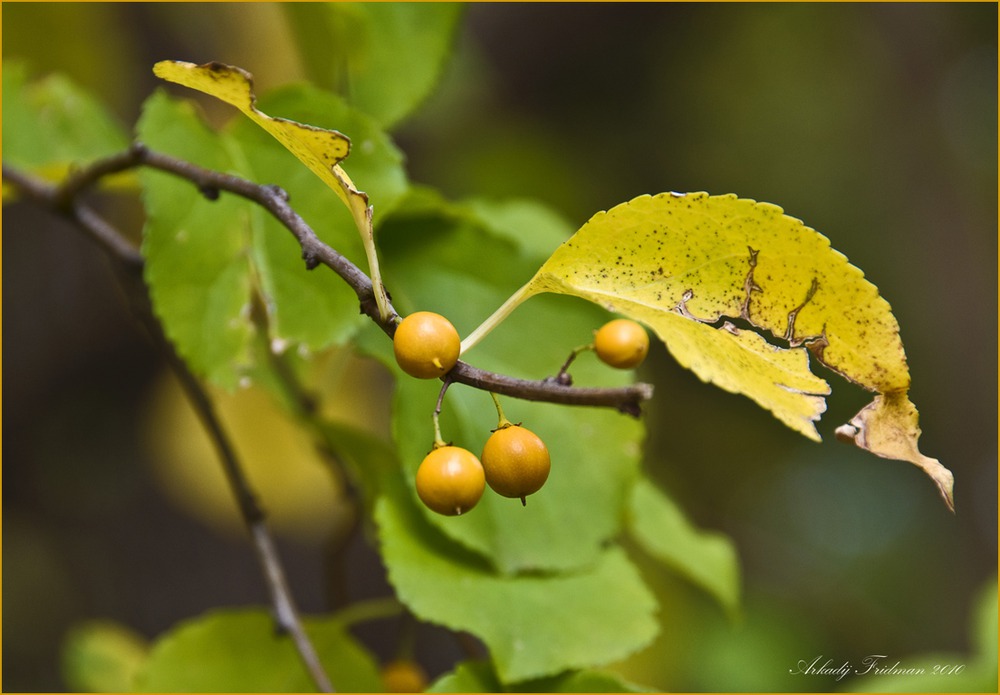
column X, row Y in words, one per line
column 426, row 345
column 516, row 461
column 450, row 480
column 621, row 343
column 404, row 676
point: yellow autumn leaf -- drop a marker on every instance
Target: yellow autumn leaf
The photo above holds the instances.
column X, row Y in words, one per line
column 321, row 150
column 742, row 294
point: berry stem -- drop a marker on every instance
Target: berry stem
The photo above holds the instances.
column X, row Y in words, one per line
column 438, row 439
column 563, row 377
column 503, row 422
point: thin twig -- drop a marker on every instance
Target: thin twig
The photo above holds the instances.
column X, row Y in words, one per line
column 274, row 200
column 63, row 200
column 436, row 416
column 52, row 198
column 304, row 406
column 627, row 399
column 286, row 614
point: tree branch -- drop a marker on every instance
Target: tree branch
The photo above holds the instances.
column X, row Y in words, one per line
column 627, row 399
column 286, row 614
column 63, row 199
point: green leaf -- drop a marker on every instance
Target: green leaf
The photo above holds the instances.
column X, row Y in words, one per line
column 478, row 677
column 534, row 625
column 238, row 650
column 314, row 308
column 374, row 159
column 468, row 677
column 385, row 57
column 206, row 260
column 559, row 621
column 435, row 257
column 51, row 124
column 320, row 150
column 198, row 264
column 371, row 460
column 691, row 266
column 530, row 224
column 706, row 558
column 101, row 656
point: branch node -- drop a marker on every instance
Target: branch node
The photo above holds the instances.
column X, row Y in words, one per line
column 278, row 192
column 210, row 192
column 280, row 627
column 311, row 259
column 562, row 379
column 631, row 408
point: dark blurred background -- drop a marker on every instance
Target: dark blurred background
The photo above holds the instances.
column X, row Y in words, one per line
column 874, row 123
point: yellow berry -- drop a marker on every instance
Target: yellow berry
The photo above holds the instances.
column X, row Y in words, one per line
column 516, row 461
column 621, row 343
column 450, row 480
column 404, row 676
column 426, row 345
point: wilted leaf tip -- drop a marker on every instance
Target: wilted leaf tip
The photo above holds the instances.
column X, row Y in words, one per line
column 232, row 84
column 887, row 427
column 320, row 149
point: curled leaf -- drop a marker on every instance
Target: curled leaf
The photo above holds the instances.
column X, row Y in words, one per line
column 321, row 150
column 743, row 295
column 888, row 427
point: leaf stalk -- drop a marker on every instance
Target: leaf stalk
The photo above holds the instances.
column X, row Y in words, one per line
column 495, row 319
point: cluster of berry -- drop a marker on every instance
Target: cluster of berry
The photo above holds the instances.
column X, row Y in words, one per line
column 515, row 461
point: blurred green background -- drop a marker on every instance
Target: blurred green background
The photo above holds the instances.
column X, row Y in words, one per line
column 874, row 123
